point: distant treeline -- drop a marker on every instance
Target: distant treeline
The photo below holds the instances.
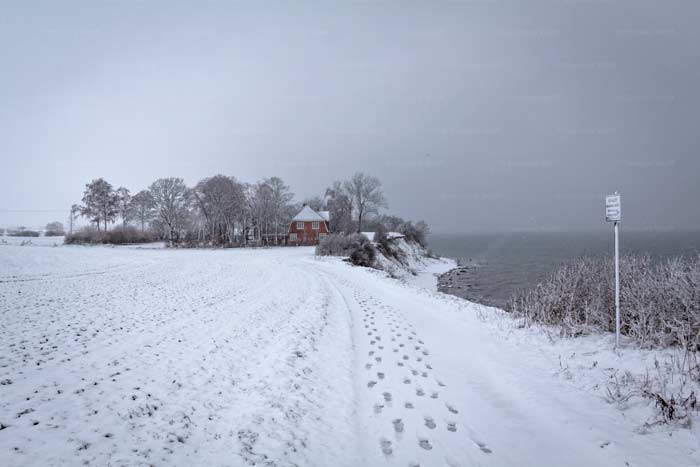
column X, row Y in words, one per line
column 221, row 210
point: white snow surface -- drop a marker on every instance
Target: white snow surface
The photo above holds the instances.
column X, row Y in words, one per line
column 131, row 356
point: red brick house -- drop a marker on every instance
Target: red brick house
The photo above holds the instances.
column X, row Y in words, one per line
column 308, row 227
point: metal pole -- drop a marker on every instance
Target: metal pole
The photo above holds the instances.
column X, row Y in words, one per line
column 617, row 286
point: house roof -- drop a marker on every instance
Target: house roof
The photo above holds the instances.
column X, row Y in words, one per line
column 308, row 214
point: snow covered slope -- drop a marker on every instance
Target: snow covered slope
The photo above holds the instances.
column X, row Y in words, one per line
column 411, row 263
column 125, row 356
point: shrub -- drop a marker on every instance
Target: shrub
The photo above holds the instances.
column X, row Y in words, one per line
column 364, row 255
column 340, row 245
column 126, row 235
column 355, row 246
column 659, row 301
column 417, row 232
column 86, row 235
column 116, row 236
column 54, row 233
column 22, row 232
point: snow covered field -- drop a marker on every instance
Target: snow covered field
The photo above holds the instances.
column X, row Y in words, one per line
column 133, row 356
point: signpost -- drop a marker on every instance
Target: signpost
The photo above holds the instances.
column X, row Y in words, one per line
column 613, row 213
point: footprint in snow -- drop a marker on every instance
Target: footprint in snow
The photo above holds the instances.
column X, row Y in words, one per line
column 419, row 392
column 440, row 383
column 378, row 408
column 399, row 363
column 368, row 366
column 398, row 425
column 434, row 395
column 483, row 447
column 424, row 374
column 387, row 396
column 405, row 357
column 408, row 405
column 385, row 444
column 451, row 409
column 380, row 375
column 406, row 381
column 371, row 384
column 430, row 423
column 425, row 444
column 452, row 426
column 378, row 359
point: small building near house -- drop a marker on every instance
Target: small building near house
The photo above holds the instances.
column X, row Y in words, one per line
column 308, row 227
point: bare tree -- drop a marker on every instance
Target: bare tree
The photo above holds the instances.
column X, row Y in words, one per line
column 99, row 202
column 124, row 205
column 339, row 204
column 142, row 207
column 220, row 200
column 281, row 196
column 74, row 213
column 366, row 194
column 171, row 202
column 262, row 212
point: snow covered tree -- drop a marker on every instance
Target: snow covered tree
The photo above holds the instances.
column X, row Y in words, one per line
column 389, row 223
column 142, row 208
column 171, row 203
column 124, row 205
column 54, row 229
column 316, row 203
column 366, row 194
column 99, row 202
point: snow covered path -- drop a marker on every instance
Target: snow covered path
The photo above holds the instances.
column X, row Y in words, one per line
column 119, row 356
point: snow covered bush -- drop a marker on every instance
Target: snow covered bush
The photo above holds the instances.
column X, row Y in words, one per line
column 659, row 301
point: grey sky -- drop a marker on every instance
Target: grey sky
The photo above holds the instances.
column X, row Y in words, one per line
column 476, row 115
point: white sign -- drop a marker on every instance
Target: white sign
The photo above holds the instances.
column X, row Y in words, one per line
column 613, row 208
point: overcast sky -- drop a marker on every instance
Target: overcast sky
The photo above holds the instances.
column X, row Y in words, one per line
column 476, row 115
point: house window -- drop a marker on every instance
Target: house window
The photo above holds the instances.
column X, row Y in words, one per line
column 321, row 236
column 292, row 237
column 300, row 226
column 314, row 225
